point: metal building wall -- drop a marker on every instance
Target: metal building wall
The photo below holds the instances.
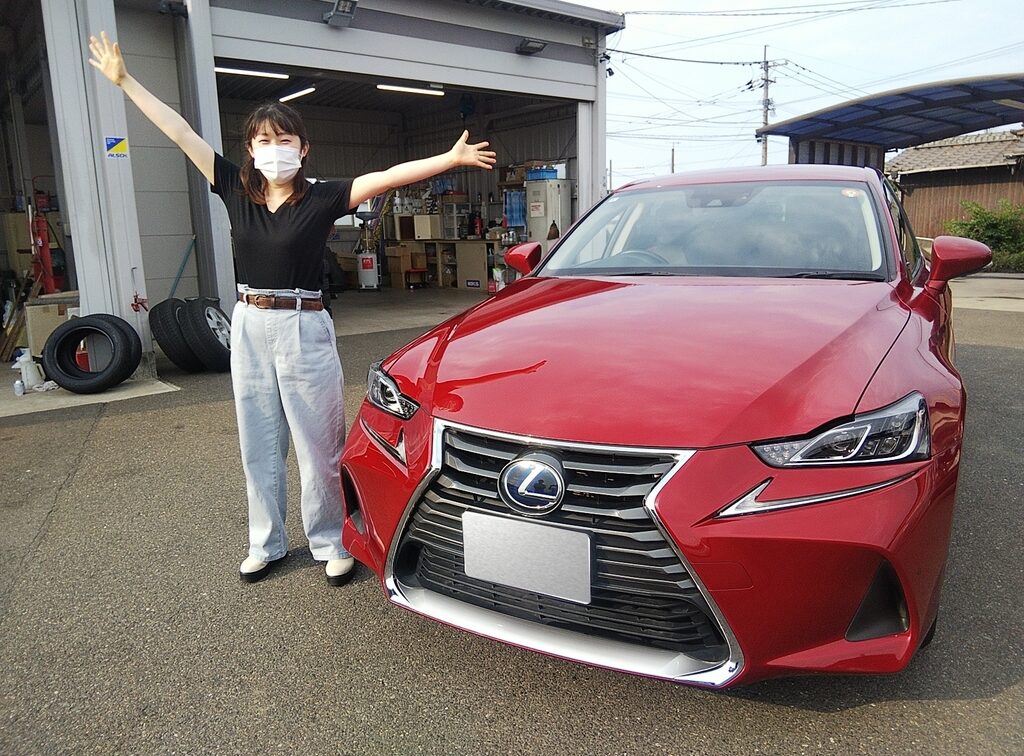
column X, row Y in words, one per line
column 158, row 166
column 343, row 143
column 548, row 135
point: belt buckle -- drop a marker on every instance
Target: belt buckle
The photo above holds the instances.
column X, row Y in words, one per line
column 265, row 301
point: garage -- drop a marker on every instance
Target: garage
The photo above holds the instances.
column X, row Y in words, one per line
column 377, row 82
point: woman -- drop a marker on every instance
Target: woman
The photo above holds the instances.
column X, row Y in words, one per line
column 285, row 369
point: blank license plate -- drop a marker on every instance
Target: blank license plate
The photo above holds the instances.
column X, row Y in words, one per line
column 528, row 555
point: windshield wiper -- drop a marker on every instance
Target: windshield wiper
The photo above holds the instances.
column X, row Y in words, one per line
column 849, row 275
column 644, row 273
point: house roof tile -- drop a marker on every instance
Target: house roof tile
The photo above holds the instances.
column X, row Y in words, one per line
column 968, row 151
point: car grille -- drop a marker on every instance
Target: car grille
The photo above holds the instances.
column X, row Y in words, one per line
column 640, row 591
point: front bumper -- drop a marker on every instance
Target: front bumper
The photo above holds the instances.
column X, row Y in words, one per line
column 769, row 594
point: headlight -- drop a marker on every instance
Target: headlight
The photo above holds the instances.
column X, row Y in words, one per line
column 897, row 433
column 383, row 393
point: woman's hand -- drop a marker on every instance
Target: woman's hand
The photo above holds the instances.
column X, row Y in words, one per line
column 107, row 58
column 473, row 155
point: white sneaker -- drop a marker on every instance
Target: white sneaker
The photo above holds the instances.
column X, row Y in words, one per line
column 252, row 569
column 340, row 571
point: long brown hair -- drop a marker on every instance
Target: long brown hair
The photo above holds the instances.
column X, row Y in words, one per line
column 281, row 119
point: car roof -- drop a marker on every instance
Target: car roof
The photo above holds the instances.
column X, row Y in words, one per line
column 792, row 172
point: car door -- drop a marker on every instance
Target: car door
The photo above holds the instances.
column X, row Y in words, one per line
column 916, row 269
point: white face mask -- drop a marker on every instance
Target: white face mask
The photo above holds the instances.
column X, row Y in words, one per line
column 275, row 162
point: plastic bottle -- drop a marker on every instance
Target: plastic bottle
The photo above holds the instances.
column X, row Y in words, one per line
column 19, row 387
column 31, row 375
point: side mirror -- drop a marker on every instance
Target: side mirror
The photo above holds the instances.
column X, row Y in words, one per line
column 523, row 257
column 954, row 256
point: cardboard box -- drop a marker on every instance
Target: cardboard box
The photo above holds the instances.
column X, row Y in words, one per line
column 399, row 259
column 16, row 232
column 20, row 261
column 347, row 262
column 418, row 260
column 42, row 319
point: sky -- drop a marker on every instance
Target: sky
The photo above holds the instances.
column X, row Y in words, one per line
column 822, row 52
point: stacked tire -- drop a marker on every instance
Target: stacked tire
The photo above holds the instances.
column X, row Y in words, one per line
column 120, row 340
column 194, row 334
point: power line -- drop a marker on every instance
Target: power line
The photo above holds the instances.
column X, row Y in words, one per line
column 827, row 80
column 660, row 82
column 974, row 58
column 683, row 137
column 740, row 33
column 804, row 11
column 635, row 54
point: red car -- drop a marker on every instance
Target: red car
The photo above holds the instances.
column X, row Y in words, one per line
column 713, row 437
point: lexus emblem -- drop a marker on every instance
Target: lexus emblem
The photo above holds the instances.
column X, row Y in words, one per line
column 533, row 484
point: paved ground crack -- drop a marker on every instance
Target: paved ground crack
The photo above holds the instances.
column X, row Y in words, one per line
column 44, row 525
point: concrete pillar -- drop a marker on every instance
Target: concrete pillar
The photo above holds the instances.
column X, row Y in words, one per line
column 99, row 191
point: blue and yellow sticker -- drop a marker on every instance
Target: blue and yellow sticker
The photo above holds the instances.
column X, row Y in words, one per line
column 117, row 147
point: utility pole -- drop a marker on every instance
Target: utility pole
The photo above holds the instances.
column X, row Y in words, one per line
column 766, row 105
column 673, row 170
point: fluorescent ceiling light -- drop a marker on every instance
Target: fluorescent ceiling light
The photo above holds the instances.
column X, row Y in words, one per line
column 294, row 95
column 411, row 90
column 243, row 72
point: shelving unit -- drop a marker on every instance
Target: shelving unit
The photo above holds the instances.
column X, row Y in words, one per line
column 460, row 264
column 455, row 216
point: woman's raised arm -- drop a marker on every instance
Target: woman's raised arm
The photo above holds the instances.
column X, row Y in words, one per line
column 461, row 154
column 106, row 57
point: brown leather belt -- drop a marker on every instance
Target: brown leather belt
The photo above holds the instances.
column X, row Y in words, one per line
column 272, row 302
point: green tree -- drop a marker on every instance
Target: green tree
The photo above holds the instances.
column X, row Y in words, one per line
column 1002, row 229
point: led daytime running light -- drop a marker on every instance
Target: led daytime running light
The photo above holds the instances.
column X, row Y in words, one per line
column 897, row 433
column 383, row 393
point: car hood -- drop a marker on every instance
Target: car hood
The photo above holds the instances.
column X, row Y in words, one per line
column 668, row 362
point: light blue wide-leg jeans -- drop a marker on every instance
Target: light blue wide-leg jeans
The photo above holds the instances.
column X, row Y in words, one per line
column 287, row 376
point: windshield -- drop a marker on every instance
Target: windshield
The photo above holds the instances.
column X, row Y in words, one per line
column 808, row 229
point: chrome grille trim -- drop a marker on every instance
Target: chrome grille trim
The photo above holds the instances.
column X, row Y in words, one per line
column 599, row 651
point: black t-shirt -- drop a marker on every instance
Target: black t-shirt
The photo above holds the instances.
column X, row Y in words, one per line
column 283, row 249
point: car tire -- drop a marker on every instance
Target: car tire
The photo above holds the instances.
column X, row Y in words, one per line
column 208, row 332
column 61, row 346
column 134, row 342
column 165, row 323
column 930, row 635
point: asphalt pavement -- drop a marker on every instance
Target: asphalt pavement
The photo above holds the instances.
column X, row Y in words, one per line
column 124, row 628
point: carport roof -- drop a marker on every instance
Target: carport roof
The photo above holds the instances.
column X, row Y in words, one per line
column 914, row 115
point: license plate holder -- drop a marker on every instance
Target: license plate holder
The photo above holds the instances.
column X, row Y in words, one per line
column 531, row 556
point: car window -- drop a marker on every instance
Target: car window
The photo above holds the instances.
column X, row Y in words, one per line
column 771, row 228
column 607, row 236
column 910, row 251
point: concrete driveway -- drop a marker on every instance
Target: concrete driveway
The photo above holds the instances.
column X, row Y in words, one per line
column 124, row 629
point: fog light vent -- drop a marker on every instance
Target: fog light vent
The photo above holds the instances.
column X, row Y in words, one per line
column 353, row 510
column 883, row 610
